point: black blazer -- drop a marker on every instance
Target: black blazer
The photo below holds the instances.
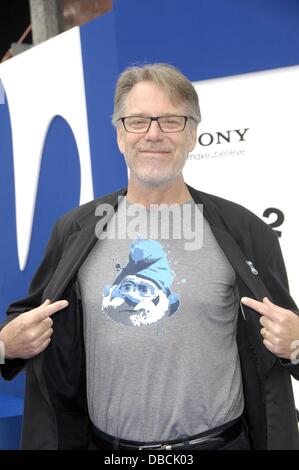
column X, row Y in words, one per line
column 56, row 414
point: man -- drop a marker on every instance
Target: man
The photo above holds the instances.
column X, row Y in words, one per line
column 153, row 348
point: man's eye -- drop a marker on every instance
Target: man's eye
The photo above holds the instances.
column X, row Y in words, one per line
column 138, row 122
column 171, row 121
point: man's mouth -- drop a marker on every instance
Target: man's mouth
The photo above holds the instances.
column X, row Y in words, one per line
column 155, row 152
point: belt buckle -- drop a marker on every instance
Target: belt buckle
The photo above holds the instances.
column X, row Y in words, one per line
column 156, row 447
column 166, row 447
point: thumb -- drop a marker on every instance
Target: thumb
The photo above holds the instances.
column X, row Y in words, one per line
column 46, row 302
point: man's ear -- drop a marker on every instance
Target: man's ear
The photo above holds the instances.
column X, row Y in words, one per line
column 120, row 139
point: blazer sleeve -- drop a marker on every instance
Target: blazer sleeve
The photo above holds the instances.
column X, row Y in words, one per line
column 274, row 276
column 39, row 282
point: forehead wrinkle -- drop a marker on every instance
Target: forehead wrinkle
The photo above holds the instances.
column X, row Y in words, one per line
column 145, row 94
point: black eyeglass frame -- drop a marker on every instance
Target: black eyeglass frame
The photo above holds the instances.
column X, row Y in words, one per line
column 154, row 118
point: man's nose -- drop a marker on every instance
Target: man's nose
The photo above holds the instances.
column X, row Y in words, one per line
column 154, row 132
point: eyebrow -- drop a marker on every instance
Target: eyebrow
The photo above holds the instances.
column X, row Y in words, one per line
column 148, row 115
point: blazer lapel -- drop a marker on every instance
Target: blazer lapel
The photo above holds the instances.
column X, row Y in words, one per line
column 239, row 262
column 229, row 245
column 77, row 247
column 252, row 281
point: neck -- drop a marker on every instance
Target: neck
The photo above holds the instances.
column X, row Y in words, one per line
column 175, row 192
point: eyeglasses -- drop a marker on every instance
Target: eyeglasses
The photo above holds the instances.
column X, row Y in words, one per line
column 141, row 124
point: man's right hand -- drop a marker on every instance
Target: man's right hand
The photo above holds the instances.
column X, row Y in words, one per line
column 30, row 333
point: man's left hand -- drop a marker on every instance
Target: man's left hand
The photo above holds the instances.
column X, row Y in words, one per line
column 280, row 326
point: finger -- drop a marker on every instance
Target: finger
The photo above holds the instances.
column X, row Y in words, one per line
column 266, row 334
column 269, row 345
column 34, row 312
column 47, row 322
column 39, row 345
column 44, row 337
column 44, row 345
column 45, row 311
column 268, row 324
column 43, row 326
column 56, row 307
column 276, row 308
column 259, row 307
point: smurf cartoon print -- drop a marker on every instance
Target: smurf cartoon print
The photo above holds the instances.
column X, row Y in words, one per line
column 141, row 293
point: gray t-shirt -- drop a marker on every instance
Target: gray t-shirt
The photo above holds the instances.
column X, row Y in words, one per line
column 160, row 330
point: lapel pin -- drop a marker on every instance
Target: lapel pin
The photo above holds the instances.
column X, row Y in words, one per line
column 253, row 270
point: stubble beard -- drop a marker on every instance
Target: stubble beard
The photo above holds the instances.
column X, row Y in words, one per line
column 155, row 178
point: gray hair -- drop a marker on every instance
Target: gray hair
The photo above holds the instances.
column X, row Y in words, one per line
column 176, row 85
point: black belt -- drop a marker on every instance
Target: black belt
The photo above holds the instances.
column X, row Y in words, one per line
column 212, row 439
